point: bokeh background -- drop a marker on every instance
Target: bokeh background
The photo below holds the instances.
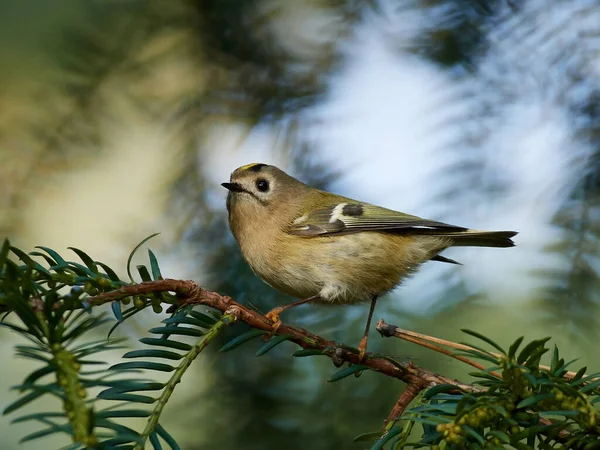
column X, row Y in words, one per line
column 121, row 118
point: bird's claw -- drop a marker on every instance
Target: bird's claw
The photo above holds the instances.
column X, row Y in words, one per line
column 273, row 316
column 362, row 349
column 361, row 355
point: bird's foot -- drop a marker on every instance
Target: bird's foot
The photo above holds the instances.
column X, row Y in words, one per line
column 273, row 316
column 362, row 349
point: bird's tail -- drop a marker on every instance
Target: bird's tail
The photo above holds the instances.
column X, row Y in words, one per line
column 476, row 238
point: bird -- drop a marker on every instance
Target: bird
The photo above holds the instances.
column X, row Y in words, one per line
column 324, row 248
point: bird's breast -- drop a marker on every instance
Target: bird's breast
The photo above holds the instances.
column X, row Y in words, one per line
column 340, row 268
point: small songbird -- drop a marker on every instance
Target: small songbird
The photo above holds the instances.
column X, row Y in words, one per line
column 325, row 248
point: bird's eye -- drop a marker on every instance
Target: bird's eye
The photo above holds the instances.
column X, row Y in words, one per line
column 262, row 185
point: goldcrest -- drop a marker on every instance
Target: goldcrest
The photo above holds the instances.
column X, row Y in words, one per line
column 322, row 247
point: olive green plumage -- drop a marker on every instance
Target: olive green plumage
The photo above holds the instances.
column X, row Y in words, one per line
column 307, row 242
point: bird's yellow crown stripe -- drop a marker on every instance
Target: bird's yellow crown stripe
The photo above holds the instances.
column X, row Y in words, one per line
column 248, row 166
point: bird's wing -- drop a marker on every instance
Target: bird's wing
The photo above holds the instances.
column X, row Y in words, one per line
column 352, row 217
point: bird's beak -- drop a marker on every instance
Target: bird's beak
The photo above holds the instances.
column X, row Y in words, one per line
column 233, row 187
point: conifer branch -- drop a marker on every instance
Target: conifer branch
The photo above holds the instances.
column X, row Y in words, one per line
column 190, row 293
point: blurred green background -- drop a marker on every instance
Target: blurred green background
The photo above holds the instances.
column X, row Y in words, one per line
column 120, row 118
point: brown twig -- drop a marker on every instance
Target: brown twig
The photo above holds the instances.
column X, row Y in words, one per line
column 190, row 292
column 388, row 330
column 386, row 327
column 407, row 396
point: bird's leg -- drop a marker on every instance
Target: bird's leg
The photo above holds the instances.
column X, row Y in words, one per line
column 273, row 315
column 362, row 347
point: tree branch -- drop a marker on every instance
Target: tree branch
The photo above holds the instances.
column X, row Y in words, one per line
column 190, row 293
column 387, row 330
column 416, row 378
column 409, row 394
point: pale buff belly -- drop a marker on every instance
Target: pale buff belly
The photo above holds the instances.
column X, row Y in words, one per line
column 344, row 269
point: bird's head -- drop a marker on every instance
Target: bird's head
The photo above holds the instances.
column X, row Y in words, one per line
column 258, row 191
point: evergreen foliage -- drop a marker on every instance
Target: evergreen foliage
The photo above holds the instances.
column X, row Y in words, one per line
column 514, row 403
